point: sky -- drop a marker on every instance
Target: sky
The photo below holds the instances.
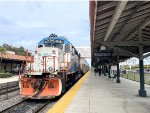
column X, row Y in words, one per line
column 25, row 23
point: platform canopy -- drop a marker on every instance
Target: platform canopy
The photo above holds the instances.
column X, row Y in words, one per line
column 119, row 29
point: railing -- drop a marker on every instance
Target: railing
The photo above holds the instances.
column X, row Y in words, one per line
column 44, row 63
column 136, row 77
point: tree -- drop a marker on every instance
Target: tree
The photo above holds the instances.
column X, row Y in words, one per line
column 2, row 51
column 18, row 51
column 7, row 47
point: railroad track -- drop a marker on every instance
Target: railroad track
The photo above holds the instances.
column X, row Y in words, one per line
column 8, row 88
column 30, row 106
column 43, row 107
column 33, row 106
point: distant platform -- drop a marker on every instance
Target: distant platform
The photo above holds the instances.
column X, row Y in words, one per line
column 9, row 79
column 98, row 94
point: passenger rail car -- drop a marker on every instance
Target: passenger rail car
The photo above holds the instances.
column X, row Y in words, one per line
column 56, row 64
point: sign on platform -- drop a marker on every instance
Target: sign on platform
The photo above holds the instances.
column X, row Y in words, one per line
column 103, row 54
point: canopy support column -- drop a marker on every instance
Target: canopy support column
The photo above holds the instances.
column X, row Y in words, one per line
column 142, row 91
column 109, row 71
column 104, row 70
column 118, row 71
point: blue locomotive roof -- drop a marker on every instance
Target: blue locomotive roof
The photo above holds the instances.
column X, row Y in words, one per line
column 53, row 40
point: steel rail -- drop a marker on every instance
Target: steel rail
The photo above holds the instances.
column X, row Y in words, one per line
column 11, row 107
column 43, row 107
column 9, row 89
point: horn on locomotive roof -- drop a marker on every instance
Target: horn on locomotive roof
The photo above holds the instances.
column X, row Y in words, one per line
column 52, row 35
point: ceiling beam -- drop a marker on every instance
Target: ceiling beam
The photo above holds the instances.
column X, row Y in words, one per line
column 99, row 32
column 142, row 25
column 99, row 23
column 106, row 6
column 124, row 51
column 145, row 6
column 101, row 27
column 118, row 11
column 122, row 43
column 126, row 21
column 95, row 12
column 140, row 37
column 147, row 55
column 104, row 15
column 146, row 35
column 146, row 29
column 140, row 13
column 125, row 43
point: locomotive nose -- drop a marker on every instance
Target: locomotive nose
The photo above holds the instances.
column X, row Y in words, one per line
column 38, row 84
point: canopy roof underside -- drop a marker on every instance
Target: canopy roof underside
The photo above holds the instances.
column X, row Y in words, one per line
column 121, row 26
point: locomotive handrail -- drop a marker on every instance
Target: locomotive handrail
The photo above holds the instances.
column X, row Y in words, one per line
column 45, row 63
column 26, row 56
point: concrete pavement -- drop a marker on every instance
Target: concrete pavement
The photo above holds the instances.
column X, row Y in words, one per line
column 98, row 94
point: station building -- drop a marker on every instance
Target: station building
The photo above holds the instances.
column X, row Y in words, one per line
column 11, row 62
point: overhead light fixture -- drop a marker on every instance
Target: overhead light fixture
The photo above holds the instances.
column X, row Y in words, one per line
column 102, row 48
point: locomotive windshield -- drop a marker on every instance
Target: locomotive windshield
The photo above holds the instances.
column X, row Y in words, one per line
column 54, row 43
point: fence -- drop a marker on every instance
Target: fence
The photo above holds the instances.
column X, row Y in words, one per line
column 136, row 77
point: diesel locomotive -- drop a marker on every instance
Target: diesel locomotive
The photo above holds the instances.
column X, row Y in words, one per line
column 55, row 65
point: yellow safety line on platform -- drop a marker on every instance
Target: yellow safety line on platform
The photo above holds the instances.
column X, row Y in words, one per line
column 62, row 104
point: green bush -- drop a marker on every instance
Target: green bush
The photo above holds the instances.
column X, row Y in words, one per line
column 5, row 75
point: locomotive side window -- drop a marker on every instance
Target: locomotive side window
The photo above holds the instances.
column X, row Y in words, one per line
column 73, row 50
column 40, row 46
column 67, row 48
column 76, row 52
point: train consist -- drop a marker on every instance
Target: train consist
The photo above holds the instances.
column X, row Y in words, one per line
column 55, row 65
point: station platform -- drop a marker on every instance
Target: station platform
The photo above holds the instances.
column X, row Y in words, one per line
column 98, row 94
column 9, row 79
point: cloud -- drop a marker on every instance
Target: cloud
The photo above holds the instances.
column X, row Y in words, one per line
column 32, row 24
column 26, row 44
column 5, row 21
column 27, row 22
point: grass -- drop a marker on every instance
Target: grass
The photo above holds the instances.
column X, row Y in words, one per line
column 136, row 77
column 5, row 75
